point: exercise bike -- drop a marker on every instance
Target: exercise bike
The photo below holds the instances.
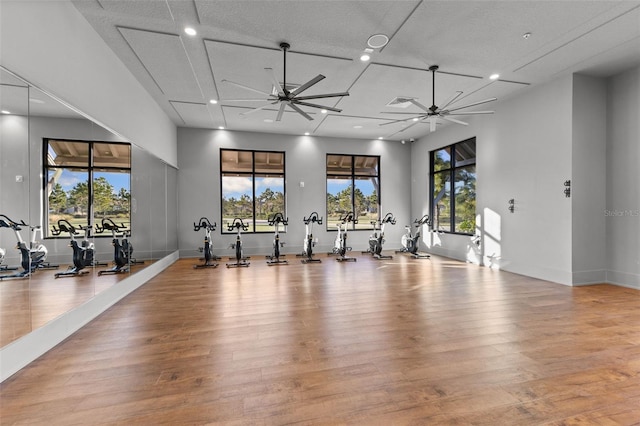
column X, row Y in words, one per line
column 209, row 257
column 82, row 254
column 340, row 246
column 411, row 243
column 309, row 243
column 239, row 226
column 122, row 250
column 376, row 240
column 275, row 258
column 32, row 256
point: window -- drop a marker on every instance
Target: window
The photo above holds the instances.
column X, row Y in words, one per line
column 252, row 187
column 453, row 168
column 353, row 185
column 86, row 181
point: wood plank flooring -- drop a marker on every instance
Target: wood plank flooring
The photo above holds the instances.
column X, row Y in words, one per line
column 401, row 341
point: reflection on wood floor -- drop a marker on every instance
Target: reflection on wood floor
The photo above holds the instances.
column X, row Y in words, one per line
column 399, row 341
column 29, row 303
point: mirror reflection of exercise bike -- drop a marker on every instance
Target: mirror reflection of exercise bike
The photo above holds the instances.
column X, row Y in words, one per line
column 309, row 241
column 82, row 254
column 276, row 257
column 207, row 250
column 241, row 260
column 122, row 248
column 411, row 242
column 376, row 240
column 340, row 246
column 32, row 256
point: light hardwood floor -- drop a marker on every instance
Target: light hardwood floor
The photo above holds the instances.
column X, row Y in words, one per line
column 399, row 341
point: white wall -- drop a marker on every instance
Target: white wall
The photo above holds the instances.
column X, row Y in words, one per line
column 523, row 152
column 588, row 183
column 623, row 179
column 199, row 186
column 52, row 46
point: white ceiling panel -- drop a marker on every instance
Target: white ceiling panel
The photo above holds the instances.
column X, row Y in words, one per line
column 196, row 115
column 265, row 121
column 149, row 9
column 329, row 27
column 164, row 58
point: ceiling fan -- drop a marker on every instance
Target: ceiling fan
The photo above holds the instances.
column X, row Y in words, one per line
column 434, row 112
column 286, row 96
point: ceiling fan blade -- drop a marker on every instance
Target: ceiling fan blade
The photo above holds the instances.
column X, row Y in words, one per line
column 453, row 120
column 243, row 100
column 398, row 113
column 242, row 86
column 301, row 112
column 281, row 111
column 451, row 100
column 274, row 80
column 419, row 105
column 468, row 112
column 308, row 84
column 296, row 101
column 473, row 104
column 244, row 114
column 325, row 95
column 432, row 124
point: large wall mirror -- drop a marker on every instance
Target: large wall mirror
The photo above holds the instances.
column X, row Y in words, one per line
column 63, row 180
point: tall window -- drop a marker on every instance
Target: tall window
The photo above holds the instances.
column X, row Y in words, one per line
column 453, row 168
column 86, row 181
column 353, row 185
column 252, row 187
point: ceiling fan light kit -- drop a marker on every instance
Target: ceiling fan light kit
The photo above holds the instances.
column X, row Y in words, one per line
column 288, row 96
column 432, row 113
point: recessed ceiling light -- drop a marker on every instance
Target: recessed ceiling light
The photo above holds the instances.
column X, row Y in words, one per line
column 380, row 137
column 36, row 101
column 323, row 111
column 377, row 41
column 213, row 101
column 494, row 76
column 190, row 31
column 4, row 111
column 403, row 142
column 416, row 119
column 268, row 120
column 306, row 133
column 365, row 57
column 357, row 127
column 221, row 127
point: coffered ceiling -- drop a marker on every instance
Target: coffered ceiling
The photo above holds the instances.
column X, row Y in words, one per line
column 469, row 40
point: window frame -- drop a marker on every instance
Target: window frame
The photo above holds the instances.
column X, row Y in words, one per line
column 451, row 171
column 353, row 176
column 253, row 174
column 90, row 169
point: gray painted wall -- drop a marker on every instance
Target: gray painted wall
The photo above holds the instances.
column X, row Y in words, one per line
column 588, row 183
column 199, row 187
column 623, row 179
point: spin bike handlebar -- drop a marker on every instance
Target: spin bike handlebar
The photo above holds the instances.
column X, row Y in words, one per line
column 422, row 220
column 110, row 225
column 204, row 223
column 6, row 222
column 348, row 217
column 313, row 217
column 388, row 218
column 277, row 218
column 237, row 224
column 63, row 226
